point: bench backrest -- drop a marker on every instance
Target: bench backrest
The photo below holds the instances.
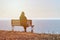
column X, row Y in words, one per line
column 17, row 22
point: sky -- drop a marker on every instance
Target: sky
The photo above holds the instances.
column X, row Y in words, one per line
column 32, row 8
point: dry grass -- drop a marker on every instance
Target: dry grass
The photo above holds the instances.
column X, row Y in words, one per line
column 16, row 35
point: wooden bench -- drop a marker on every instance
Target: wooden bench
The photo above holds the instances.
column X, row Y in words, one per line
column 15, row 22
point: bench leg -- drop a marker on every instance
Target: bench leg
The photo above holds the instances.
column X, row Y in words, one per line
column 12, row 28
column 32, row 28
column 32, row 31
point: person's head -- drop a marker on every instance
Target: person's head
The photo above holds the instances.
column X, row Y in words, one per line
column 22, row 14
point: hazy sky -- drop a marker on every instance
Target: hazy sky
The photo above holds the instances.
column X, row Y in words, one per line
column 32, row 8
